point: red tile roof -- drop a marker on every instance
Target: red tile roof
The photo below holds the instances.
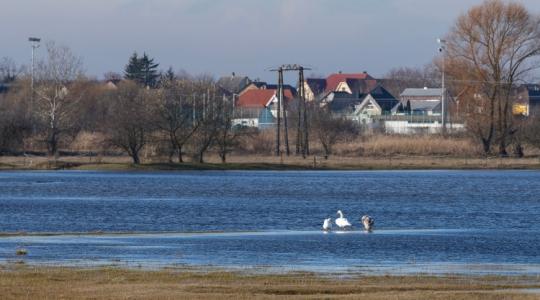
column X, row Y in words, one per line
column 334, row 80
column 260, row 98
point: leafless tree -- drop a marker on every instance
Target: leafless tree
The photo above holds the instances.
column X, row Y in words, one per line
column 207, row 111
column 491, row 48
column 59, row 87
column 175, row 114
column 113, row 77
column 331, row 130
column 227, row 136
column 14, row 121
column 128, row 126
column 398, row 79
column 9, row 71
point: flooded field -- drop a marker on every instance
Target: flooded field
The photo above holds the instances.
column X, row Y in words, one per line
column 479, row 222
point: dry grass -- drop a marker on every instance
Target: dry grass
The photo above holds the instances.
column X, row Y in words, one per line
column 424, row 145
column 22, row 282
column 371, row 152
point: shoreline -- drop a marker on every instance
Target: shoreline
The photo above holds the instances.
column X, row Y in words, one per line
column 272, row 163
column 21, row 282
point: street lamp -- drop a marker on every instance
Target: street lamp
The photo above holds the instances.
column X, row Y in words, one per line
column 34, row 43
column 442, row 49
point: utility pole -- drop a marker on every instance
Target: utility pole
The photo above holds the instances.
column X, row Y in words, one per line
column 305, row 148
column 299, row 139
column 278, row 127
column 302, row 137
column 281, row 97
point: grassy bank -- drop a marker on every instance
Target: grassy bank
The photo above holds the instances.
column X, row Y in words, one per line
column 23, row 282
column 257, row 162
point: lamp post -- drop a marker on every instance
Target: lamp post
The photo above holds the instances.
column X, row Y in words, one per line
column 442, row 49
column 34, row 43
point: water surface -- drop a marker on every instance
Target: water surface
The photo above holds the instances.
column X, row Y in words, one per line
column 426, row 221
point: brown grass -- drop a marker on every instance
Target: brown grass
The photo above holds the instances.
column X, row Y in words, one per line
column 255, row 153
column 424, row 145
column 22, row 282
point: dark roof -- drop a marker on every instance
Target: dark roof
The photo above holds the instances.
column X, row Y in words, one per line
column 4, row 87
column 534, row 93
column 380, row 92
column 259, row 84
column 383, row 97
column 286, row 87
column 345, row 95
column 317, row 85
column 233, row 84
column 343, row 105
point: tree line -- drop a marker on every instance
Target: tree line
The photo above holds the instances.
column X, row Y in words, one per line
column 145, row 107
column 490, row 50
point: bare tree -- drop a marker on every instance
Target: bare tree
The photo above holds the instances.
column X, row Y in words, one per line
column 398, row 79
column 14, row 121
column 175, row 117
column 8, row 70
column 227, row 136
column 207, row 111
column 59, row 88
column 490, row 48
column 330, row 130
column 128, row 125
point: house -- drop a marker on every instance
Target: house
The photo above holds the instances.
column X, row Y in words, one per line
column 314, row 87
column 364, row 107
column 261, row 85
column 421, row 101
column 527, row 100
column 352, row 83
column 255, row 104
column 420, row 111
column 253, row 85
column 233, row 84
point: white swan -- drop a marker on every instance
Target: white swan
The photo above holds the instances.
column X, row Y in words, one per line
column 368, row 222
column 327, row 224
column 342, row 222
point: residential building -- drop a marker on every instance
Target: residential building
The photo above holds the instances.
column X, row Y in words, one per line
column 253, row 106
column 352, row 83
column 421, row 101
column 233, row 84
column 527, row 100
column 361, row 107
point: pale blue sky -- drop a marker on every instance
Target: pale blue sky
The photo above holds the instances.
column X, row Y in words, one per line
column 244, row 36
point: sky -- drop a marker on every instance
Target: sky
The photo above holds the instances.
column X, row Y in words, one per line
column 247, row 37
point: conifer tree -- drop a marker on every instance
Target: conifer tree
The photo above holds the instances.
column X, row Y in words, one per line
column 142, row 70
column 149, row 71
column 133, row 69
